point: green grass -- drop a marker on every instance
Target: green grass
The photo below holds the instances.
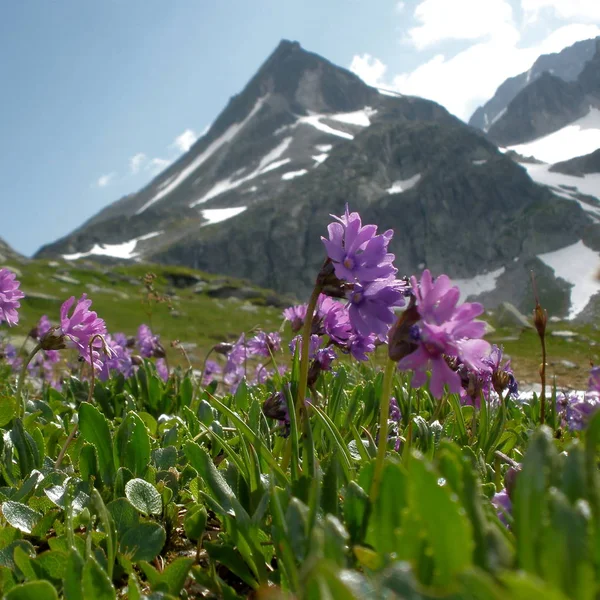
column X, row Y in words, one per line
column 121, row 301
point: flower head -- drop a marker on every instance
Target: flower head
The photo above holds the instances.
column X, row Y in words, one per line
column 371, row 306
column 264, row 344
column 295, row 315
column 120, row 359
column 445, row 329
column 503, row 505
column 576, row 408
column 357, row 252
column 78, row 330
column 10, row 294
column 148, row 343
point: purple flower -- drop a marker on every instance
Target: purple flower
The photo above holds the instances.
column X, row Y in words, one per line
column 295, row 315
column 395, row 414
column 161, row 369
column 211, row 369
column 324, row 357
column 502, row 376
column 371, row 306
column 332, row 319
column 43, row 326
column 264, row 344
column 360, row 346
column 576, row 409
column 10, row 294
column 315, row 344
column 503, row 505
column 12, row 358
column 149, row 343
column 77, row 330
column 445, row 330
column 357, row 252
column 120, row 359
column 235, row 367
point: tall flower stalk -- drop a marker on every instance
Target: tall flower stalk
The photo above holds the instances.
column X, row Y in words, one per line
column 540, row 318
column 20, row 402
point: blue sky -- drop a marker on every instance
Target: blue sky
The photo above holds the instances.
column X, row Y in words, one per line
column 99, row 95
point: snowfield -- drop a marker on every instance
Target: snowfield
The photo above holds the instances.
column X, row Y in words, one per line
column 486, row 282
column 578, row 265
column 123, row 250
column 216, row 215
column 580, row 137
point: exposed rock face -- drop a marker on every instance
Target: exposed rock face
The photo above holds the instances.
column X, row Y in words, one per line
column 579, row 166
column 458, row 218
column 566, row 65
column 303, row 139
column 547, row 104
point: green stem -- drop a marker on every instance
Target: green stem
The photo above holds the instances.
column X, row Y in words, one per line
column 384, row 413
column 90, row 397
column 304, row 357
column 543, row 378
column 22, row 375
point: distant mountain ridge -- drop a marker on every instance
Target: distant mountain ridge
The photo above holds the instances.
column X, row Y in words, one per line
column 252, row 197
column 565, row 65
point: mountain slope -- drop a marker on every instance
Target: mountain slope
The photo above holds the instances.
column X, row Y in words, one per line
column 465, row 209
column 283, row 125
column 548, row 104
column 252, row 197
column 565, row 65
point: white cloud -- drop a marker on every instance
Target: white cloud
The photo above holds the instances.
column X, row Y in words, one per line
column 137, row 161
column 564, row 9
column 185, row 141
column 469, row 78
column 370, row 69
column 157, row 164
column 105, row 180
column 441, row 20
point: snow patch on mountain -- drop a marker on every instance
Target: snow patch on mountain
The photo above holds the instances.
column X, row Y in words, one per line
column 266, row 164
column 580, row 137
column 314, row 121
column 473, row 286
column 216, row 215
column 225, row 138
column 319, row 158
column 567, row 186
column 487, row 123
column 293, row 174
column 402, row 185
column 578, row 265
column 358, row 117
column 123, row 250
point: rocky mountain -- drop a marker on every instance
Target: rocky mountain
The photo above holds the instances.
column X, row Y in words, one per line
column 565, row 65
column 547, row 104
column 7, row 254
column 253, row 196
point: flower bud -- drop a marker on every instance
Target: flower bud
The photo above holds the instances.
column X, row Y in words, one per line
column 510, row 481
column 403, row 334
column 329, row 283
column 54, row 339
column 137, row 360
column 275, row 407
column 223, row 348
